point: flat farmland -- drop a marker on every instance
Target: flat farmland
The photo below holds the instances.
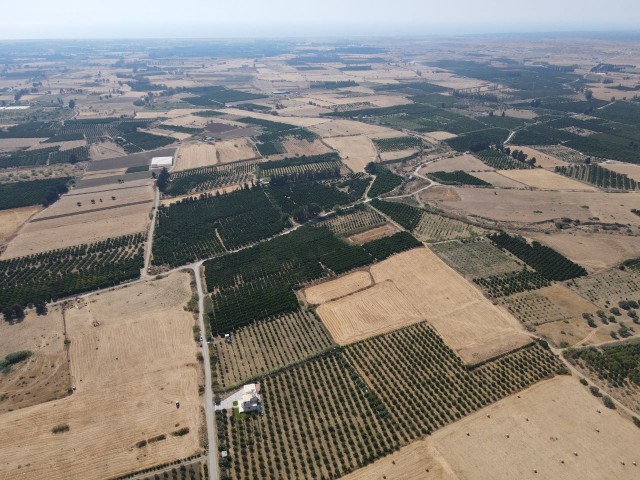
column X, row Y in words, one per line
column 12, row 144
column 298, row 147
column 498, row 180
column 194, row 155
column 537, row 205
column 539, row 430
column 544, row 160
column 340, row 128
column 336, row 288
column 132, row 357
column 356, row 151
column 475, row 258
column 297, row 121
column 236, row 150
column 374, row 233
column 594, row 251
column 464, row 162
column 607, row 286
column 438, row 228
column 44, row 376
column 545, row 180
column 439, row 136
column 266, row 346
column 354, row 220
column 398, row 154
column 415, row 286
column 12, row 220
column 631, row 171
column 133, row 160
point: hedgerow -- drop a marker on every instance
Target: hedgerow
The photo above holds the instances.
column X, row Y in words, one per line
column 401, row 213
column 599, row 176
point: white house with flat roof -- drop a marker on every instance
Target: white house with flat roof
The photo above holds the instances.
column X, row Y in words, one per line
column 251, row 400
column 160, row 162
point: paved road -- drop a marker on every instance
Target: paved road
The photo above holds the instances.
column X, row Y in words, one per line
column 212, row 454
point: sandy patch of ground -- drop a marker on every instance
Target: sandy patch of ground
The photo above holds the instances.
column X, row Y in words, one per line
column 594, row 251
column 415, row 286
column 568, row 300
column 128, row 371
column 440, row 194
column 12, row 220
column 544, row 160
column 194, row 155
column 439, row 136
column 631, row 171
column 11, row 144
column 296, row 147
column 537, row 430
column 465, row 162
column 397, row 154
column 337, row 128
column 546, row 180
column 355, row 151
column 45, row 375
column 235, row 150
column 332, row 289
column 498, row 180
column 536, row 206
column 375, row 233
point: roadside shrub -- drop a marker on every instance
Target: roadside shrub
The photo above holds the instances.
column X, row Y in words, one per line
column 60, row 428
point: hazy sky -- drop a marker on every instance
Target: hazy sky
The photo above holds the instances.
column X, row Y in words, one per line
column 242, row 18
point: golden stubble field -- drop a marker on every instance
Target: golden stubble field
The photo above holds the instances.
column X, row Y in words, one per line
column 554, row 430
column 546, row 180
column 356, row 151
column 414, row 286
column 132, row 357
column 11, row 221
column 45, row 375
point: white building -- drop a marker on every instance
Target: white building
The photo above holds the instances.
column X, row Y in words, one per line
column 159, row 162
column 251, row 400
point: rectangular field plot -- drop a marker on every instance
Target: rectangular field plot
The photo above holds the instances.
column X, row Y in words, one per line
column 532, row 308
column 319, row 421
column 436, row 228
column 424, row 385
column 609, row 286
column 354, row 220
column 266, row 346
column 475, row 258
column 209, row 178
column 414, row 286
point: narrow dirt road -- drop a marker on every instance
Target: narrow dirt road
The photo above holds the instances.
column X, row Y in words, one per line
column 149, row 244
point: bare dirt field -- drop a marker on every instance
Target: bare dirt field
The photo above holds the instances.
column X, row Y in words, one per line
column 537, row 205
column 546, row 180
column 498, row 180
column 544, row 160
column 375, row 233
column 631, row 171
column 524, row 114
column 297, row 147
column 398, row 154
column 194, row 155
column 297, row 121
column 132, row 357
column 415, row 286
column 235, row 150
column 594, row 251
column 105, row 150
column 338, row 128
column 355, row 151
column 332, row 289
column 531, row 435
column 11, row 144
column 12, row 220
column 45, row 375
column 465, row 162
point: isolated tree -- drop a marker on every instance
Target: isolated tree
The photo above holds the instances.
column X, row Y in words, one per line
column 41, row 308
column 588, row 94
column 72, row 104
column 371, row 168
column 163, row 180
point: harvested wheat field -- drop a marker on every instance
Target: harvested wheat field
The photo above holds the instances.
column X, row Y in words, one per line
column 545, row 180
column 355, row 151
column 529, row 436
column 375, row 233
column 44, row 375
column 235, row 150
column 194, row 155
column 12, row 220
column 398, row 154
column 295, row 147
column 338, row 128
column 594, row 251
column 106, row 150
column 415, row 286
column 543, row 160
column 132, row 357
column 439, row 136
column 332, row 289
column 11, row 144
column 465, row 162
column 537, row 205
column 631, row 171
column 498, row 180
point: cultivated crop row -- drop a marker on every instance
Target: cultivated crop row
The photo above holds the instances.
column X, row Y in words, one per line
column 208, row 178
column 599, row 176
column 401, row 213
column 385, row 181
column 47, row 276
column 458, row 177
column 505, row 284
column 397, row 143
column 33, row 192
column 475, row 258
column 135, row 141
column 353, row 220
column 500, row 161
column 545, row 260
column 387, row 246
column 437, row 228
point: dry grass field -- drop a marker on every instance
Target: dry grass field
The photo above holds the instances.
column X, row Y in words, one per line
column 45, row 375
column 498, row 180
column 631, row 171
column 235, row 150
column 132, row 357
column 355, row 151
column 12, row 144
column 345, row 285
column 544, row 160
column 440, row 136
column 546, row 180
column 398, row 154
column 375, row 233
column 105, row 150
column 340, row 128
column 465, row 162
column 438, row 228
column 194, row 155
column 536, row 206
column 415, row 286
column 594, row 251
column 12, row 220
column 607, row 287
column 296, row 147
column 475, row 258
column 530, row 436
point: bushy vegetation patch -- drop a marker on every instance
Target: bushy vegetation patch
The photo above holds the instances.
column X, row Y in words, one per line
column 384, row 182
column 505, row 284
column 599, row 176
column 499, row 160
column 385, row 247
column 33, row 192
column 458, row 177
column 401, row 213
column 618, row 365
column 397, row 143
